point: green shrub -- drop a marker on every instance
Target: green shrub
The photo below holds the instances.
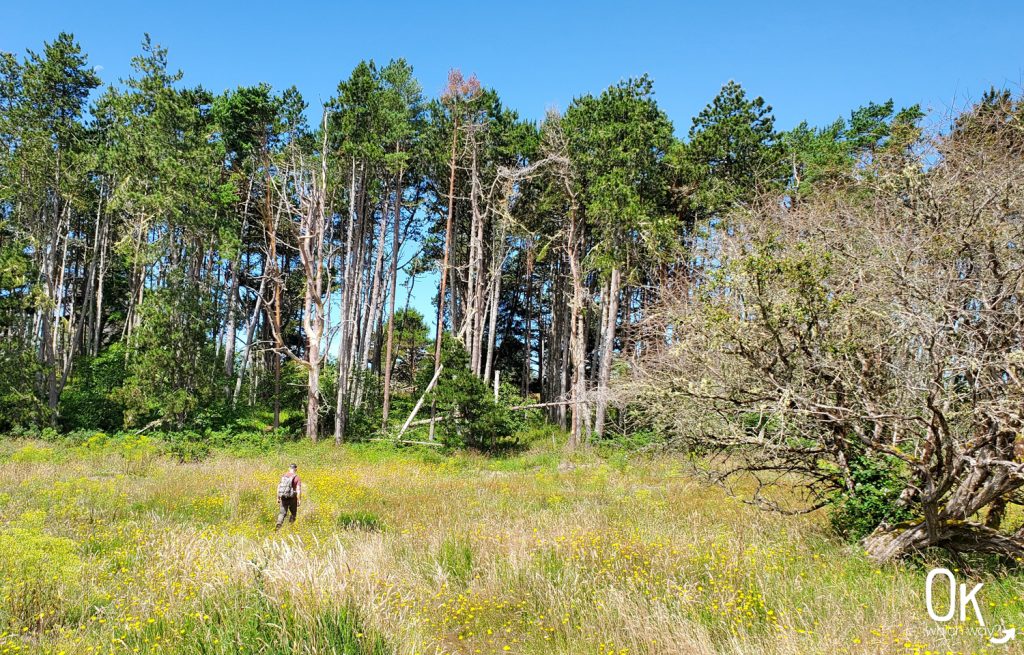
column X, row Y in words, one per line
column 245, row 442
column 20, row 405
column 90, row 399
column 134, row 451
column 81, row 436
column 877, row 484
column 471, row 418
column 636, row 440
column 186, row 446
column 96, row 442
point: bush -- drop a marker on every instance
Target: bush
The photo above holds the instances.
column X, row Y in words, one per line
column 135, row 451
column 20, row 404
column 90, row 400
column 186, row 446
column 471, row 417
column 245, row 442
column 172, row 372
column 877, row 483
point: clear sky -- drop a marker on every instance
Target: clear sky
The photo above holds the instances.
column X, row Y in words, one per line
column 813, row 61
column 808, row 60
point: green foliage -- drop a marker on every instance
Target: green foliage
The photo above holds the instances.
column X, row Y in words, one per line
column 33, row 454
column 471, row 417
column 20, row 403
column 618, row 142
column 172, row 370
column 91, row 398
column 251, row 120
column 245, row 442
column 376, row 113
column 832, row 157
column 134, row 452
column 731, row 154
column 878, row 481
column 630, row 440
column 187, row 446
column 410, row 346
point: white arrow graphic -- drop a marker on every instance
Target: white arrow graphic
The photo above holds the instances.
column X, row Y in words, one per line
column 1008, row 634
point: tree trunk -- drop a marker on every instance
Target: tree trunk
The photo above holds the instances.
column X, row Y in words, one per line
column 607, row 347
column 271, row 219
column 340, row 414
column 492, row 326
column 395, row 247
column 577, row 337
column 371, row 309
column 313, row 393
column 250, row 334
column 232, row 302
column 447, row 246
column 524, row 382
column 890, row 543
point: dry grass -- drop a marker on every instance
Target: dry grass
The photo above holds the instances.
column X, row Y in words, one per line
column 411, row 553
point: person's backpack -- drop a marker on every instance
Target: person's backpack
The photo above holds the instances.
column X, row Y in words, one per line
column 284, row 487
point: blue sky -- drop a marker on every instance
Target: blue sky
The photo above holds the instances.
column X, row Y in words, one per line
column 809, row 60
column 813, row 61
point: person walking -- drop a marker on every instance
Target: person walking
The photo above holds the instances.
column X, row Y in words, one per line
column 289, row 489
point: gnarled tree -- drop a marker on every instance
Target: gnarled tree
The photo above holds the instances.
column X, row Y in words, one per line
column 878, row 327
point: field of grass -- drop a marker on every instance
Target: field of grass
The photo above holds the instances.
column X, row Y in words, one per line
column 116, row 549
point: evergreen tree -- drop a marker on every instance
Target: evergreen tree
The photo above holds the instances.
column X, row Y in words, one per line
column 731, row 154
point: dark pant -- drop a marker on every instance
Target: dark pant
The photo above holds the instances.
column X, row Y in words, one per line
column 288, row 506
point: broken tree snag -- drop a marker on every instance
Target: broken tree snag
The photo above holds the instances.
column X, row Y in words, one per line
column 419, row 403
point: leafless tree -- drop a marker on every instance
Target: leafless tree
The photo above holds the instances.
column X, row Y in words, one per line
column 884, row 323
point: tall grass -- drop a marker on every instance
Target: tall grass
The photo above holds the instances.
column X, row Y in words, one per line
column 412, row 552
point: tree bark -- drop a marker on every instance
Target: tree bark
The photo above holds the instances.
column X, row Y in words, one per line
column 395, row 248
column 607, row 347
column 890, row 543
column 344, row 335
column 447, row 243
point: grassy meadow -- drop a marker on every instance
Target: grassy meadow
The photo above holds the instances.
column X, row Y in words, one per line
column 115, row 548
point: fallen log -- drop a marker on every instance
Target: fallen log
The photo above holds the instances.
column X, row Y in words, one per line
column 418, row 443
column 550, row 404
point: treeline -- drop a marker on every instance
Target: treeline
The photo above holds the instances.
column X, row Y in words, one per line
column 171, row 257
column 829, row 309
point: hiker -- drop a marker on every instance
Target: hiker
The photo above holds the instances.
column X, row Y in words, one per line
column 288, row 491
